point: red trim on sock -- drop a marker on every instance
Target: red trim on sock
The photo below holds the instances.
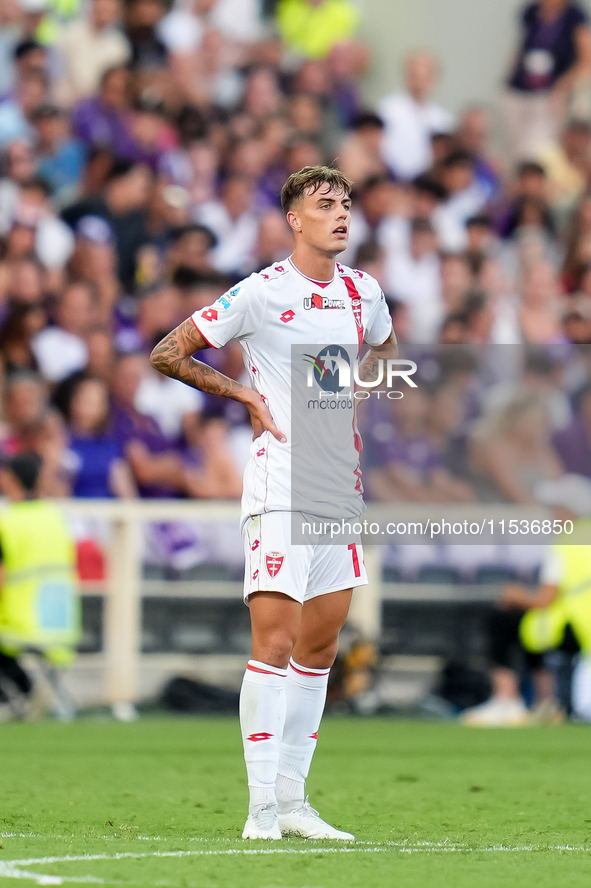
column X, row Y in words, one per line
column 263, row 671
column 304, row 672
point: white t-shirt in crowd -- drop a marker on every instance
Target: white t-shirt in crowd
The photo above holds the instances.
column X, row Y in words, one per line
column 180, row 31
column 237, row 238
column 167, row 401
column 406, row 142
column 417, row 283
column 59, row 353
column 268, row 313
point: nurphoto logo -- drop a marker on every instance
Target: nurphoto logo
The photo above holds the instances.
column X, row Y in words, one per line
column 331, row 370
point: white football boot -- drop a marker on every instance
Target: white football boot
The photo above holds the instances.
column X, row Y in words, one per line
column 304, row 821
column 262, row 823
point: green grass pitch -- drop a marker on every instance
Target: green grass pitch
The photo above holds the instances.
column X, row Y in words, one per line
column 162, row 802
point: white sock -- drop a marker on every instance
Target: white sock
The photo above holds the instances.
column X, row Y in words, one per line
column 262, row 716
column 305, row 693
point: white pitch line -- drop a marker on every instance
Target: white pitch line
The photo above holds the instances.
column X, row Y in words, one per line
column 13, row 868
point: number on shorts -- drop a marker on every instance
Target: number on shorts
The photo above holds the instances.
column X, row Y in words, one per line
column 353, row 550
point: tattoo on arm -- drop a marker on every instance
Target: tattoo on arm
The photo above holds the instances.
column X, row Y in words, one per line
column 172, row 357
column 368, row 369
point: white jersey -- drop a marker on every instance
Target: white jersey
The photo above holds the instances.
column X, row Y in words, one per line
column 268, row 313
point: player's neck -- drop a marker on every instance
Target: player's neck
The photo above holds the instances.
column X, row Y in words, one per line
column 312, row 264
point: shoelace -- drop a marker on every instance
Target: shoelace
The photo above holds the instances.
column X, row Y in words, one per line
column 265, row 815
column 306, row 806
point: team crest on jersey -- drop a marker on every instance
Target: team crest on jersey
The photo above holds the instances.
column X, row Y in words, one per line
column 274, row 563
column 318, row 301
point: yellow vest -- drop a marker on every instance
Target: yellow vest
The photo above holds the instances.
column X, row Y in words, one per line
column 543, row 628
column 314, row 30
column 39, row 605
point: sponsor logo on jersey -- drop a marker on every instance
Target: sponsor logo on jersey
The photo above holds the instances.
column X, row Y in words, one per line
column 210, row 314
column 318, row 301
column 274, row 563
column 287, row 316
column 227, row 299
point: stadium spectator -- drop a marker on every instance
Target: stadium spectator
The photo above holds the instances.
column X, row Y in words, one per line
column 539, row 313
column 20, row 326
column 404, row 466
column 32, row 425
column 234, row 223
column 410, row 119
column 61, row 350
column 473, row 136
column 124, row 207
column 95, row 462
column 553, row 57
column 578, row 245
column 359, row 155
column 413, row 277
column 573, row 443
column 103, row 120
column 465, row 198
column 528, row 624
column 511, row 450
column 39, row 609
column 89, row 47
column 157, row 466
column 61, row 157
column 566, row 163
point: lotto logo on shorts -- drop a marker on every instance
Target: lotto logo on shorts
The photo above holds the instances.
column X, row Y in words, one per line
column 274, row 562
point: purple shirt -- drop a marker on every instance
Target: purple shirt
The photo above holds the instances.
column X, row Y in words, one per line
column 131, row 425
column 574, row 448
column 97, row 124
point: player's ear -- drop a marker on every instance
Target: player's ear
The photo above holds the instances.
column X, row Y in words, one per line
column 293, row 221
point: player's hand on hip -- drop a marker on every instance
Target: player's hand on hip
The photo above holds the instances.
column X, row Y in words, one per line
column 261, row 419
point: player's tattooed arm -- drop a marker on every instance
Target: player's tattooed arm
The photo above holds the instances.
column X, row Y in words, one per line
column 173, row 356
column 369, row 367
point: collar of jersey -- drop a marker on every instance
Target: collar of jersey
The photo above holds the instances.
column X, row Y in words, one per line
column 312, row 281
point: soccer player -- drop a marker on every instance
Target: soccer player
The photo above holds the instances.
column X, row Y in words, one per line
column 298, row 595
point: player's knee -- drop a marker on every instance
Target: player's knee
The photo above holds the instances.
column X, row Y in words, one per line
column 319, row 655
column 275, row 648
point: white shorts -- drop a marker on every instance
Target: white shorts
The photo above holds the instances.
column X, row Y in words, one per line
column 273, row 564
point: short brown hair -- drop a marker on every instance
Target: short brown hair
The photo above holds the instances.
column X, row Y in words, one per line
column 312, row 177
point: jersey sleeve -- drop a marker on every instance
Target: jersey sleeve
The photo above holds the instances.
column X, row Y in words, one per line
column 235, row 315
column 378, row 324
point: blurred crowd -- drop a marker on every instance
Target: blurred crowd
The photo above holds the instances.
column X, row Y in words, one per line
column 143, row 145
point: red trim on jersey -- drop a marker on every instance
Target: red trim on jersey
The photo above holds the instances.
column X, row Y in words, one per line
column 304, row 672
column 355, row 297
column 321, row 284
column 199, row 330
